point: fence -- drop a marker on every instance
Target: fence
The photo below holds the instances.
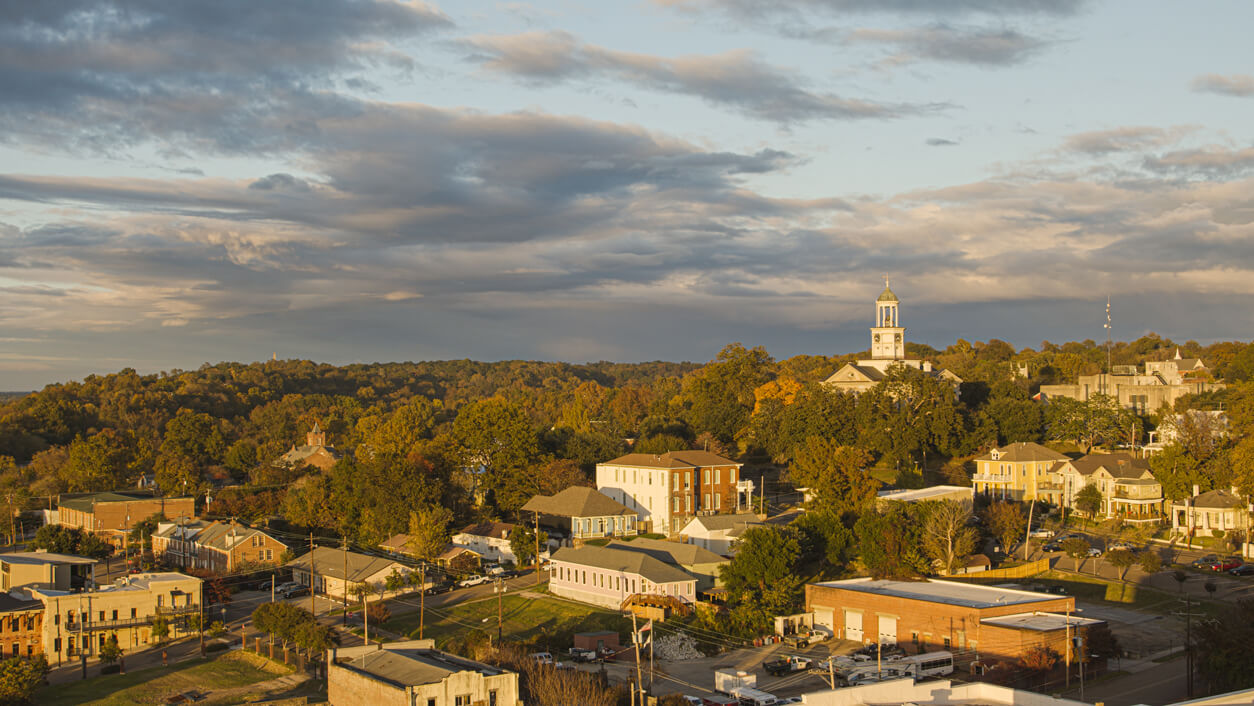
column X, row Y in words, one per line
column 1032, row 568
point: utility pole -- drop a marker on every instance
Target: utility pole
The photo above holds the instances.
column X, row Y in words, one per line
column 635, row 638
column 1080, row 641
column 365, row 613
column 1067, row 658
column 422, row 598
column 537, row 517
column 344, row 591
column 1027, row 539
column 499, row 588
column 271, row 588
column 313, row 608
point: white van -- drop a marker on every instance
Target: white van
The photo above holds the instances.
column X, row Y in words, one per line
column 748, row 696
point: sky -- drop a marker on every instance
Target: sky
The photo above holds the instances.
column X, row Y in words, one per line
column 192, row 182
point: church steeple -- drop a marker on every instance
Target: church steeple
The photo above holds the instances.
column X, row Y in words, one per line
column 888, row 336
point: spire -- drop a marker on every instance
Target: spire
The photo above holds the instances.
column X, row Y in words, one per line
column 1178, row 353
column 887, row 295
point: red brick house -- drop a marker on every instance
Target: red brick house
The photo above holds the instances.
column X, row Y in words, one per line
column 112, row 514
column 221, row 547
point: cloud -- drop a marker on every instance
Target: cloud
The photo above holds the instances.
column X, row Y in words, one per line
column 939, row 142
column 1239, row 85
column 1207, row 163
column 964, row 45
column 942, row 8
column 1121, row 139
column 739, row 80
column 105, row 76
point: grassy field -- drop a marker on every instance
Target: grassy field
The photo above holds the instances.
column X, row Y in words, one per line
column 1120, row 594
column 153, row 686
column 543, row 621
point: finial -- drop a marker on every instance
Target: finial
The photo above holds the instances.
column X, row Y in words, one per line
column 886, row 281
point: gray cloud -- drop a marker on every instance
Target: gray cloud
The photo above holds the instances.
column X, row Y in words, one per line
column 1210, row 163
column 1240, row 85
column 941, row 8
column 1121, row 139
column 738, row 80
column 964, row 45
column 939, row 142
column 105, row 76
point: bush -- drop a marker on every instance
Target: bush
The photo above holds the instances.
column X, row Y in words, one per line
column 110, row 669
column 216, row 647
column 1217, row 533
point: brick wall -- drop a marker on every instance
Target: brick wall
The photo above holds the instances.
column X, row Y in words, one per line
column 932, row 623
column 21, row 633
column 113, row 516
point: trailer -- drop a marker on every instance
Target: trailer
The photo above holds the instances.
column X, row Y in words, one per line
column 727, row 679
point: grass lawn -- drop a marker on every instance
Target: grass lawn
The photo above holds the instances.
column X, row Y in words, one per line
column 153, row 686
column 1125, row 595
column 544, row 621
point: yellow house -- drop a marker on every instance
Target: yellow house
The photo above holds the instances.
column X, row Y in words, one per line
column 1019, row 471
column 1129, row 490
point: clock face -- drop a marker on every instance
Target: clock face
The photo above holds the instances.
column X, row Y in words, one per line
column 898, row 336
column 877, row 338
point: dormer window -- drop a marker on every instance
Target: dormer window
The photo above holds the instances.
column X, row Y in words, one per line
column 995, row 454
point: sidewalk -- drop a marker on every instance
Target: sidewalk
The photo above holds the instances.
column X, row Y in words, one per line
column 181, row 650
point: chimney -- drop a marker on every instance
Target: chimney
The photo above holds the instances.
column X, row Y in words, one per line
column 1196, row 490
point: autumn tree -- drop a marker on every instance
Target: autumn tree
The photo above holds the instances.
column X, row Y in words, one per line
column 889, row 542
column 947, row 534
column 498, row 445
column 1089, row 500
column 836, row 475
column 1007, row 522
column 1121, row 559
column 1077, row 549
column 21, row 678
column 1097, row 420
column 719, row 398
column 429, row 533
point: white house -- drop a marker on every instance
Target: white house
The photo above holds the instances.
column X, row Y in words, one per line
column 490, row 540
column 666, row 490
column 606, row 577
column 718, row 533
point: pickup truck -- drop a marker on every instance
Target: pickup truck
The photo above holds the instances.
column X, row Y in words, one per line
column 786, row 665
column 803, row 639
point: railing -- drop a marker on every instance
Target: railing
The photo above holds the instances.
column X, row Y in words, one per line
column 1125, row 495
column 112, row 624
column 992, row 478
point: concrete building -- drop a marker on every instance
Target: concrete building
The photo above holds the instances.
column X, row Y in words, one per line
column 718, row 533
column 608, row 577
column 334, row 572
column 314, row 453
column 221, row 547
column 1162, row 383
column 956, row 493
column 1019, row 471
column 62, row 572
column 21, row 625
column 1204, row 513
column 579, row 513
column 888, row 348
column 80, row 623
column 667, row 490
column 412, row 673
column 939, row 692
column 113, row 514
column 931, row 614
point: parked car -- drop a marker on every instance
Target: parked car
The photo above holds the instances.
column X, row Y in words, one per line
column 542, row 657
column 1204, row 562
column 802, row 639
column 1053, row 546
column 438, row 588
column 1094, row 551
column 1114, row 546
column 1242, row 570
column 786, row 665
column 292, row 590
column 579, row 654
column 472, row 581
column 1041, row 533
column 1228, row 564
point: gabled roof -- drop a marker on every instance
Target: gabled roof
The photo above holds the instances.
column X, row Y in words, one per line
column 1118, row 465
column 1023, row 452
column 717, row 523
column 331, row 562
column 44, row 558
column 577, row 501
column 1219, row 499
column 84, row 502
column 672, row 459
column 856, row 373
column 416, row 667
column 615, row 559
column 227, row 535
column 398, row 543
column 491, row 530
column 299, row 453
column 675, row 553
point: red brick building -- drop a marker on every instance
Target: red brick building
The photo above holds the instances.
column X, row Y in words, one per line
column 113, row 514
column 667, row 490
column 991, row 622
column 220, row 547
column 21, row 627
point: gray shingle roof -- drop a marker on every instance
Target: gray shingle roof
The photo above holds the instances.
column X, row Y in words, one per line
column 330, row 562
column 577, row 501
column 673, row 459
column 615, row 559
column 674, row 553
column 1024, row 452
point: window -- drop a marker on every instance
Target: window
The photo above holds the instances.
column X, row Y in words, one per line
column 688, row 503
column 102, row 616
column 430, row 702
column 706, row 504
column 115, row 615
column 718, row 501
column 461, row 700
column 731, row 475
column 492, row 697
column 675, row 479
column 675, row 503
column 717, row 472
column 687, row 479
column 133, row 613
column 707, row 476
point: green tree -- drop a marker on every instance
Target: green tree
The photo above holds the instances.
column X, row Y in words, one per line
column 762, row 578
column 948, row 537
column 719, row 398
column 1097, row 420
column 100, row 462
column 889, row 543
column 1089, row 500
column 522, row 542
column 160, row 628
column 110, row 652
column 1223, row 648
column 836, row 475
column 1178, row 471
column 429, row 533
column 406, row 427
column 1016, row 419
column 908, row 417
column 1149, row 561
column 141, row 533
column 1007, row 523
column 1121, row 559
column 1077, row 549
column 826, row 538
column 20, row 678
column 498, row 445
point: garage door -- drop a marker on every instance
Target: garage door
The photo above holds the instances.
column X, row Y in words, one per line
column 853, row 626
column 825, row 617
column 888, row 629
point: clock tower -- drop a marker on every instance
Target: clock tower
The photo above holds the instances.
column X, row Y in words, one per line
column 888, row 338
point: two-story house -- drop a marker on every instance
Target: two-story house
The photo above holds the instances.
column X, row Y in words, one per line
column 1018, row 471
column 220, row 547
column 666, row 490
column 1129, row 490
column 113, row 514
column 490, row 540
column 579, row 513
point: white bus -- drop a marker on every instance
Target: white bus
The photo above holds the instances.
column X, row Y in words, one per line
column 930, row 664
column 748, row 696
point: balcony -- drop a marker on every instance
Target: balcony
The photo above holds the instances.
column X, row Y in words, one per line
column 170, row 614
column 992, row 478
